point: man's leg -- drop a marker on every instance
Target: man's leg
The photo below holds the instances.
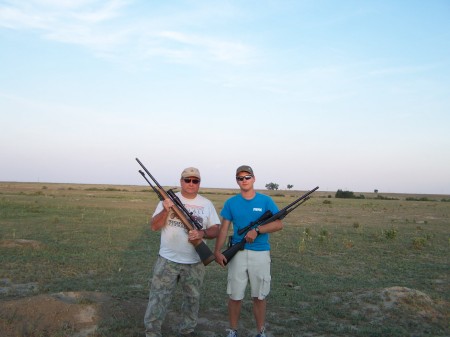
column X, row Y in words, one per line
column 191, row 280
column 259, row 311
column 163, row 284
column 259, row 274
column 237, row 283
column 234, row 311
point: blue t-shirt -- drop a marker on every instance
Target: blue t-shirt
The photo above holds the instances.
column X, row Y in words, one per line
column 242, row 212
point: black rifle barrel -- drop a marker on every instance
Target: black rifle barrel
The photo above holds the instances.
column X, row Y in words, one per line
column 301, row 198
column 153, row 187
column 286, row 210
column 149, row 174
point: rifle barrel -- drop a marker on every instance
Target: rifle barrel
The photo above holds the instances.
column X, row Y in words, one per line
column 153, row 187
column 289, row 208
column 302, row 197
column 149, row 174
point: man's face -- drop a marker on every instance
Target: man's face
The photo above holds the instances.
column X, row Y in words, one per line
column 245, row 180
column 190, row 185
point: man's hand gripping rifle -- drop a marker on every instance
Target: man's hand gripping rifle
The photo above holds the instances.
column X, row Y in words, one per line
column 266, row 218
column 182, row 213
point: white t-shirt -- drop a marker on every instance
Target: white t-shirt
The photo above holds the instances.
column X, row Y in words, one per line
column 174, row 235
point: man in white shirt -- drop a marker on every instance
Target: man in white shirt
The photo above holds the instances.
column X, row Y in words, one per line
column 178, row 261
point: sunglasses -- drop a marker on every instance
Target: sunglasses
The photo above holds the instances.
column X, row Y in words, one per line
column 244, row 177
column 194, row 181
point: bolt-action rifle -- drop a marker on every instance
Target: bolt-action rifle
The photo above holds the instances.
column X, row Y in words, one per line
column 202, row 249
column 264, row 219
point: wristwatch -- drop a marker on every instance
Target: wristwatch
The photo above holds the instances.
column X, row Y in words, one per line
column 257, row 230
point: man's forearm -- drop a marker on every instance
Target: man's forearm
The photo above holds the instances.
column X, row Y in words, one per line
column 222, row 236
column 271, row 227
column 211, row 232
column 159, row 220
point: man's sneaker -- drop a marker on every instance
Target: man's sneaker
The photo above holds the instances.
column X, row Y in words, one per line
column 262, row 333
column 232, row 333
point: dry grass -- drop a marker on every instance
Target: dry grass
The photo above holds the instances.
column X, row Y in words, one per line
column 341, row 267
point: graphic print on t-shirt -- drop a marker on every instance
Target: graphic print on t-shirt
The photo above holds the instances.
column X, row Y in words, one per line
column 196, row 213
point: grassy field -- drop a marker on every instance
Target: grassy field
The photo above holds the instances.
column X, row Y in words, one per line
column 377, row 266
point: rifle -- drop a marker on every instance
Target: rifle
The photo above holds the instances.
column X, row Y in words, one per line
column 202, row 249
column 264, row 219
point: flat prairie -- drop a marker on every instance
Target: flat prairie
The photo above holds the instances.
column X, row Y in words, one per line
column 76, row 261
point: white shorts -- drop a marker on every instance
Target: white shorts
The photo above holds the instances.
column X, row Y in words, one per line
column 253, row 266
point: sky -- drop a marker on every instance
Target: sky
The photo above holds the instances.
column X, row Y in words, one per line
column 350, row 94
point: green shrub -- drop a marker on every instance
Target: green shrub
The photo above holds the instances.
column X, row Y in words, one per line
column 418, row 199
column 324, row 235
column 390, row 233
column 348, row 195
column 419, row 243
column 380, row 197
column 344, row 194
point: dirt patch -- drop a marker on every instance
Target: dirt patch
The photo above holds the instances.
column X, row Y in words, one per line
column 20, row 243
column 74, row 314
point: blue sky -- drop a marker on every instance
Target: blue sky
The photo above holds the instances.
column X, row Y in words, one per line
column 345, row 94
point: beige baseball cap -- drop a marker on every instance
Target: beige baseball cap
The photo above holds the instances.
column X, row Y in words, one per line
column 190, row 172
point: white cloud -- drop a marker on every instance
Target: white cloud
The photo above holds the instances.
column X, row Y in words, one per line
column 105, row 28
column 219, row 50
column 16, row 18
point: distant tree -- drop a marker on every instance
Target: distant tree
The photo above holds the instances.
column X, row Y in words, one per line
column 375, row 191
column 272, row 186
column 289, row 186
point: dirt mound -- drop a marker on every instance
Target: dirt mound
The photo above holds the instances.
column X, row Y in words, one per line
column 75, row 314
column 410, row 299
column 379, row 305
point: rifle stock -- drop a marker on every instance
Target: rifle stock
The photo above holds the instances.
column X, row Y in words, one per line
column 202, row 249
column 230, row 252
column 266, row 218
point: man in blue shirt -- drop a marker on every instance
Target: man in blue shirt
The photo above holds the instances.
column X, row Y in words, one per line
column 253, row 263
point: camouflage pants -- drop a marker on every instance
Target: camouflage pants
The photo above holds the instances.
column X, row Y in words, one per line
column 166, row 276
